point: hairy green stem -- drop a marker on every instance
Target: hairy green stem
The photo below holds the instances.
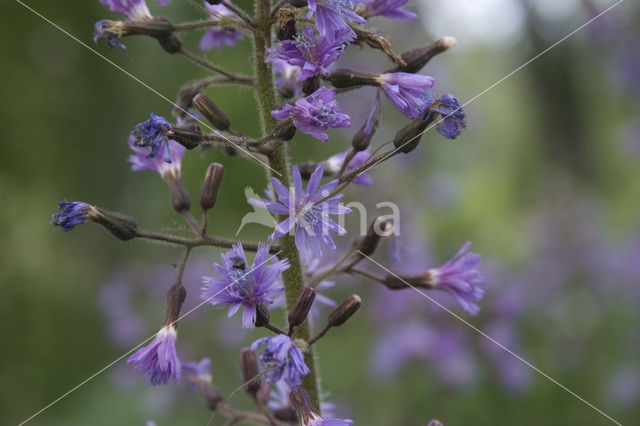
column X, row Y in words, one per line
column 279, row 163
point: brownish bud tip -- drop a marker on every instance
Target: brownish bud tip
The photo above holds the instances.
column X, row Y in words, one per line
column 250, row 372
column 346, row 309
column 211, row 112
column 211, row 186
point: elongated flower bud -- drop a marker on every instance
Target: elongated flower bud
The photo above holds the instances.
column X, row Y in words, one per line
column 249, row 365
column 416, row 59
column 301, row 308
column 180, row 200
column 187, row 135
column 346, row 309
column 262, row 315
column 211, row 186
column 408, row 138
column 121, row 226
column 284, row 131
column 306, row 169
column 175, row 298
column 211, row 112
column 310, row 85
column 344, row 78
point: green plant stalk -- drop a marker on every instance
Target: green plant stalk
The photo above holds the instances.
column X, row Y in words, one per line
column 279, row 161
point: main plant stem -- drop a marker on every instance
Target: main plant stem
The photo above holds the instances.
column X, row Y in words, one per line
column 279, row 162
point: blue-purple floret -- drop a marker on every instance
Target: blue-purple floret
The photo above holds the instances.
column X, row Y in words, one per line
column 315, row 114
column 453, row 118
column 461, row 279
column 197, row 372
column 307, row 212
column 104, row 30
column 135, row 10
column 153, row 134
column 408, row 92
column 332, row 15
column 281, row 360
column 141, row 160
column 309, row 53
column 159, row 361
column 241, row 286
column 334, row 164
column 391, row 9
column 70, row 214
column 220, row 35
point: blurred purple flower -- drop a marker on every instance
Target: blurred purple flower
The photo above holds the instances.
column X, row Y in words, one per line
column 334, row 163
column 141, row 160
column 310, row 54
column 306, row 210
column 391, row 9
column 314, row 114
column 159, row 360
column 407, row 92
column 198, row 373
column 281, row 359
column 222, row 34
column 115, row 301
column 331, row 15
column 241, row 286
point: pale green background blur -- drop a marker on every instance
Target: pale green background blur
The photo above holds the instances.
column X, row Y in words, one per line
column 65, row 117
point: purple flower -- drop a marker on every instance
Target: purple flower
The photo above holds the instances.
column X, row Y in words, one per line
column 134, row 10
column 242, row 286
column 460, row 278
column 281, row 359
column 198, row 373
column 71, row 214
column 306, row 209
column 163, row 3
column 287, row 83
column 453, row 116
column 334, row 164
column 141, row 160
column 223, row 33
column 314, row 114
column 331, row 15
column 391, row 9
column 407, row 92
column 108, row 31
column 310, row 54
column 159, row 360
column 315, row 420
column 153, row 134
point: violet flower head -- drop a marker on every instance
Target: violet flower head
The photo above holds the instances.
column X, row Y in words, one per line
column 460, row 278
column 315, row 114
column 70, row 214
column 453, row 117
column 310, row 54
column 222, row 34
column 239, row 285
column 331, row 15
column 334, row 163
column 198, row 373
column 391, row 9
column 134, row 10
column 281, row 359
column 407, row 92
column 307, row 212
column 159, row 360
column 153, row 134
column 108, row 31
column 141, row 160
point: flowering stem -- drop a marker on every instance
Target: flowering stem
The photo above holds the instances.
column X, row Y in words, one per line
column 279, row 163
column 206, row 240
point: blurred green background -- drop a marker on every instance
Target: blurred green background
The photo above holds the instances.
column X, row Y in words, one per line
column 553, row 141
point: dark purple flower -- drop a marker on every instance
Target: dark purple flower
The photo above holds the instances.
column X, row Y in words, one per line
column 331, row 15
column 391, row 9
column 141, row 160
column 281, row 359
column 452, row 116
column 224, row 33
column 134, row 10
column 306, row 210
column 198, row 373
column 408, row 92
column 460, row 278
column 310, row 54
column 71, row 214
column 314, row 114
column 159, row 360
column 334, row 164
column 242, row 286
column 153, row 134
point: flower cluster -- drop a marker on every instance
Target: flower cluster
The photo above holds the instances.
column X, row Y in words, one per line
column 281, row 359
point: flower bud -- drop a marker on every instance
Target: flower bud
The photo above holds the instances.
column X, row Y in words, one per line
column 180, row 200
column 250, row 372
column 262, row 315
column 310, row 85
column 301, row 308
column 300, row 402
column 306, row 169
column 175, row 298
column 408, row 138
column 122, row 227
column 211, row 186
column 284, row 130
column 187, row 135
column 416, row 59
column 382, row 226
column 397, row 282
column 344, row 78
column 346, row 309
column 362, row 139
column 212, row 397
column 211, row 112
column 298, row 3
